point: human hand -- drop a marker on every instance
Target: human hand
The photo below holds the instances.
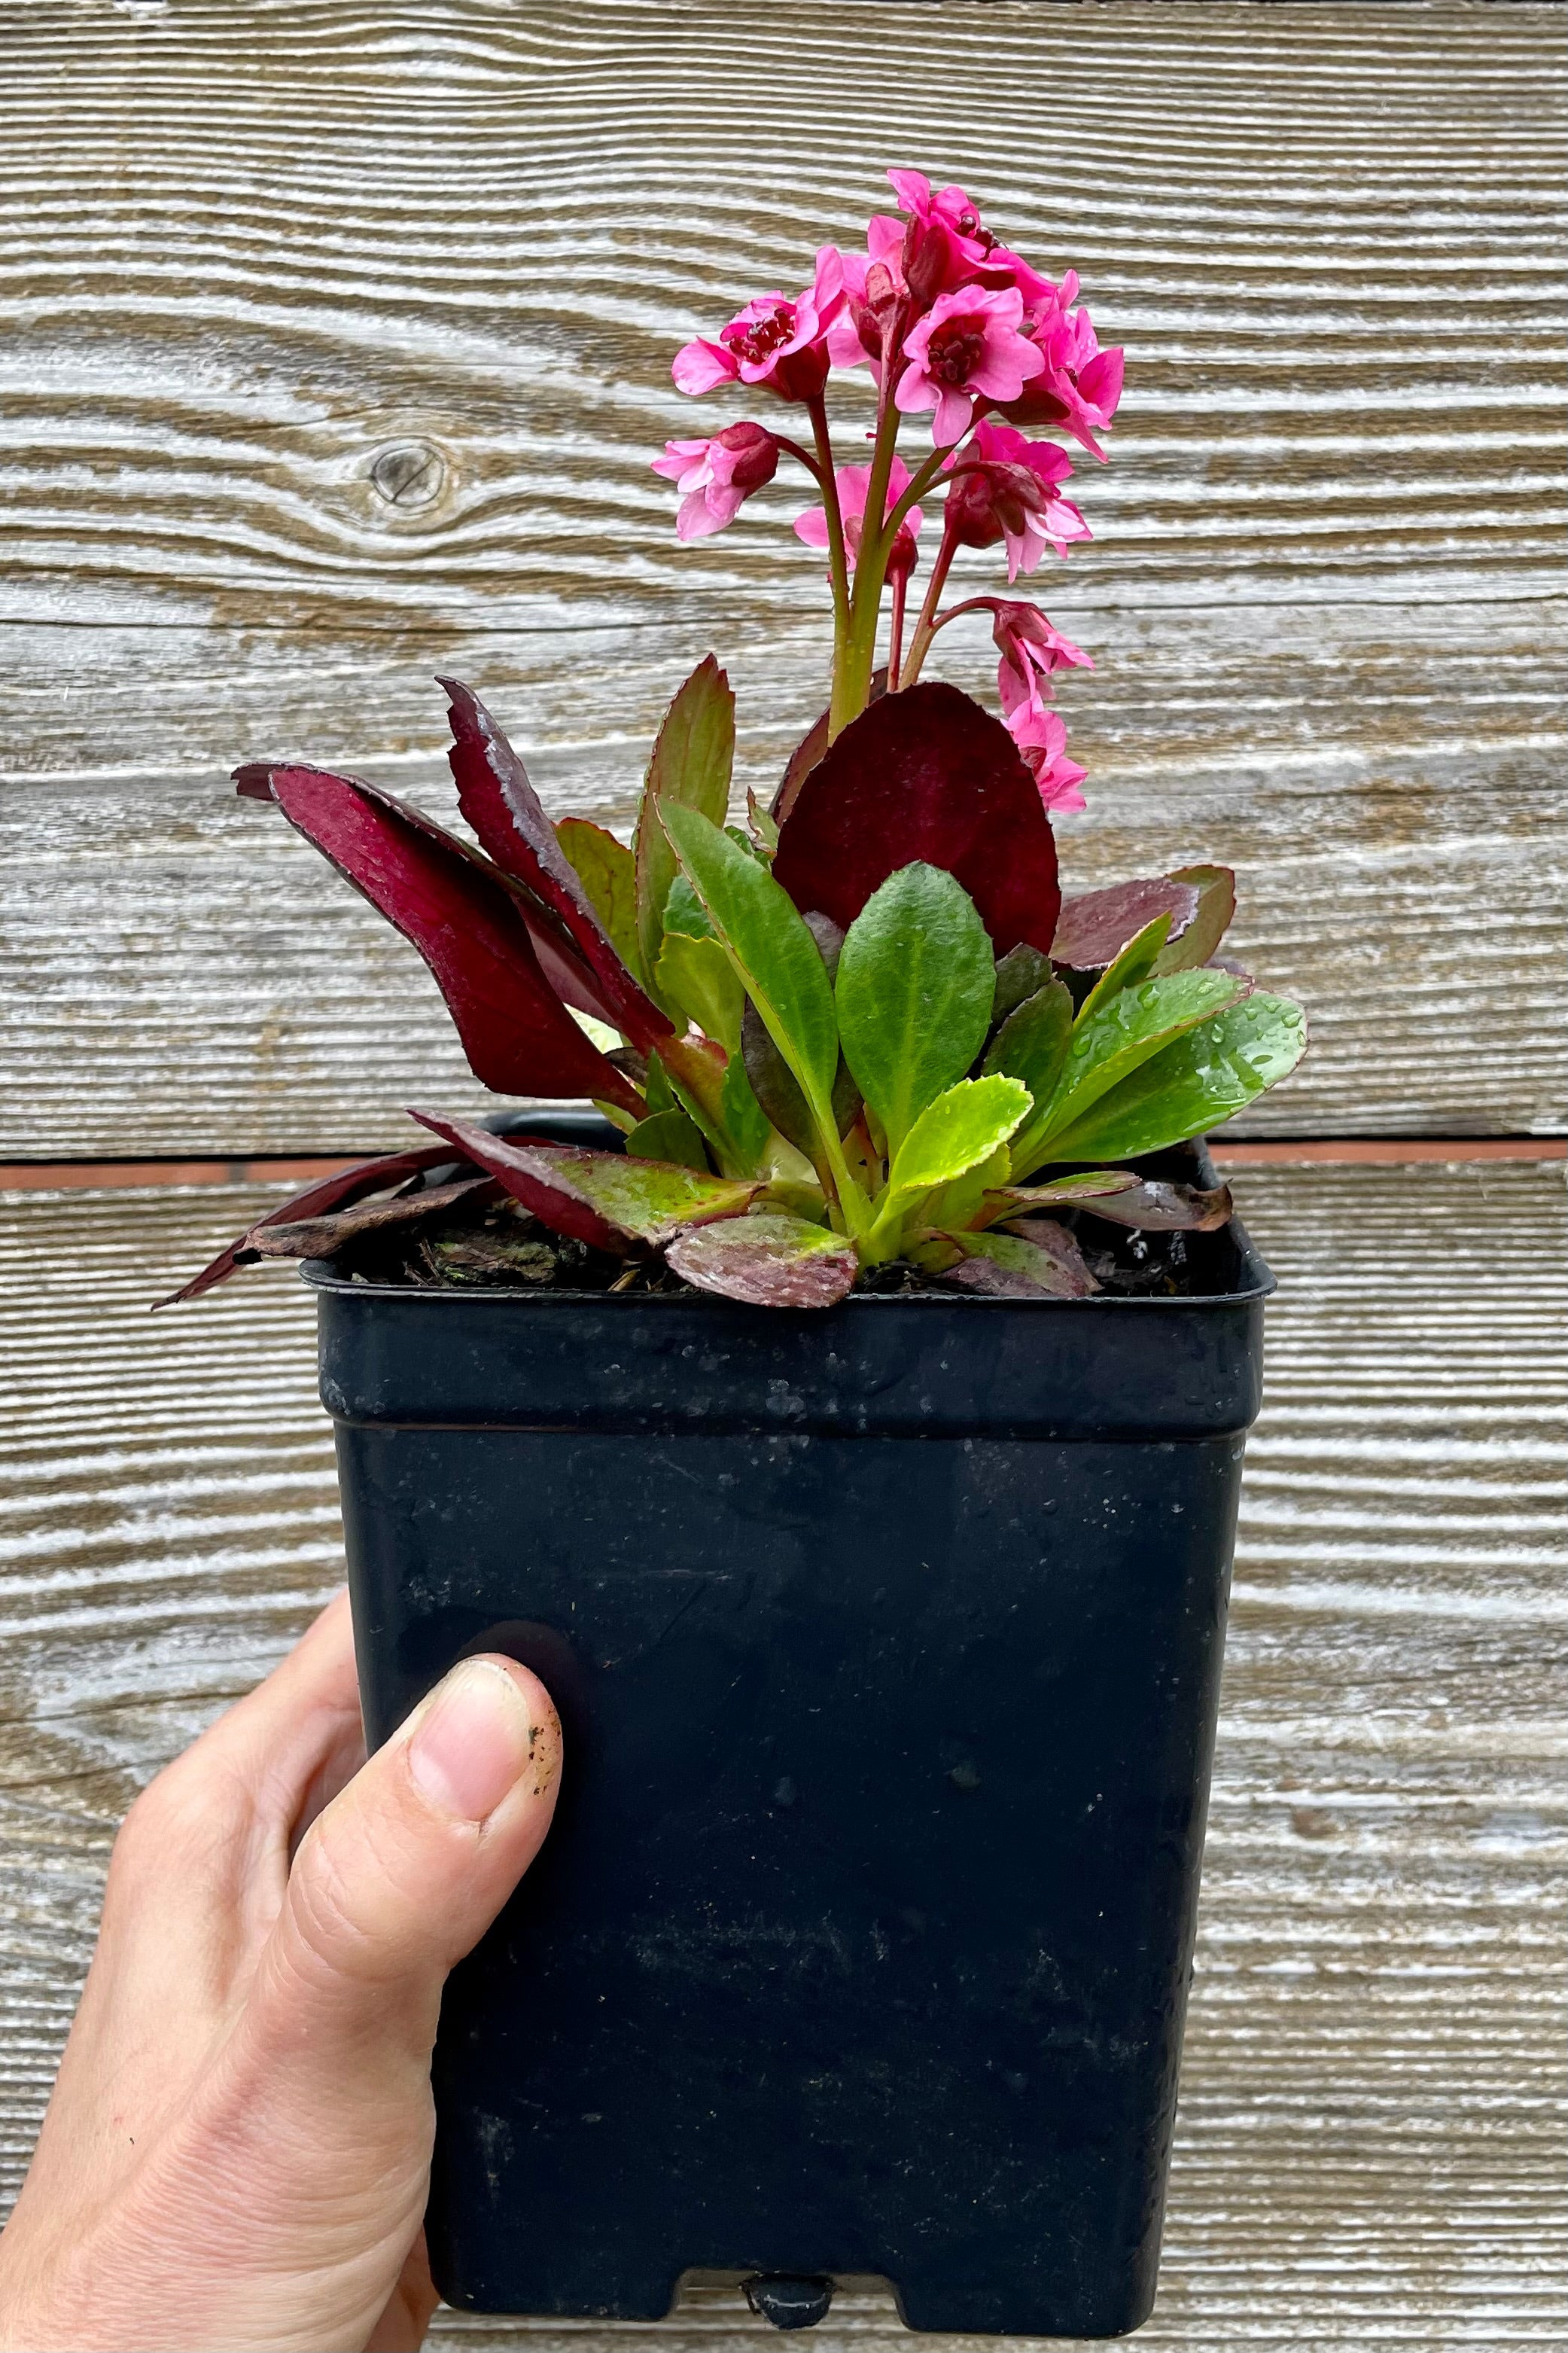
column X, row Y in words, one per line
column 238, row 2144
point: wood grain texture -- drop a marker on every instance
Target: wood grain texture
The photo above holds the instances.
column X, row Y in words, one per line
column 1371, row 2137
column 333, row 344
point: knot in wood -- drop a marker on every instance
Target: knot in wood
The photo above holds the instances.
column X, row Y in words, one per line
column 409, row 474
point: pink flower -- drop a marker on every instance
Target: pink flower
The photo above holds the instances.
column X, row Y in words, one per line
column 873, row 282
column 717, row 475
column 1006, row 488
column 774, row 342
column 1041, row 738
column 1032, row 649
column 949, row 206
column 1080, row 386
column 853, row 482
column 968, row 344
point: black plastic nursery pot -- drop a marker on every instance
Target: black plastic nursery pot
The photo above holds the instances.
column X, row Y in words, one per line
column 887, row 1642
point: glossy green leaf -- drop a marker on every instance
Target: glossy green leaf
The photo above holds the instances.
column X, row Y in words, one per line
column 697, row 975
column 916, row 981
column 607, row 871
column 1195, row 1083
column 954, row 1134
column 770, row 1260
column 1136, row 962
column 1109, row 1042
column 1215, row 887
column 669, row 1136
column 777, row 961
column 764, row 830
column 600, row 1197
column 685, row 912
column 692, row 759
column 1032, row 1043
column 745, row 1121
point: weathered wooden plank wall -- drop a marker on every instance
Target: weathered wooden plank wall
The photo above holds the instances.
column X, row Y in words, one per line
column 247, row 247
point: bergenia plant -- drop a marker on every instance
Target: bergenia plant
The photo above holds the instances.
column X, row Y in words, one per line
column 866, row 1028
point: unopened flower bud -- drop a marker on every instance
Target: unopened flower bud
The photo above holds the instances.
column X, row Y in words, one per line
column 753, row 453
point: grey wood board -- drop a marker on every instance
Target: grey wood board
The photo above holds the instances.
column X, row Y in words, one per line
column 1370, row 2137
column 180, row 973
column 246, row 252
column 251, row 246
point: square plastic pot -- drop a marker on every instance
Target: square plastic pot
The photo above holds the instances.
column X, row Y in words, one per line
column 887, row 1642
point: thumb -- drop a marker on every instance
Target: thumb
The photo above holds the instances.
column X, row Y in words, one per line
column 403, row 1872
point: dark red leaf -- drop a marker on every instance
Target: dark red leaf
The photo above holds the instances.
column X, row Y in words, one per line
column 464, row 922
column 606, row 1199
column 1093, row 929
column 326, row 1193
column 809, row 751
column 1154, row 1207
column 924, row 775
column 497, row 798
column 320, row 1237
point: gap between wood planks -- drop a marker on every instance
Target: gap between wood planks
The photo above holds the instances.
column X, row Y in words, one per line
column 1382, row 1152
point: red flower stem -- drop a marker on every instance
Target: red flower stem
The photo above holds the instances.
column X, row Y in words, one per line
column 896, row 630
column 927, row 626
column 805, row 456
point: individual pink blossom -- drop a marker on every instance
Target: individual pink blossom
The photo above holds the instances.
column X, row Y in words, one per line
column 1080, row 384
column 956, row 211
column 968, row 344
column 775, row 341
column 1005, row 487
column 853, row 482
column 1041, row 738
column 1032, row 649
column 717, row 475
column 873, row 282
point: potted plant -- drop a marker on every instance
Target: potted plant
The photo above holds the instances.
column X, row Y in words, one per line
column 843, row 1415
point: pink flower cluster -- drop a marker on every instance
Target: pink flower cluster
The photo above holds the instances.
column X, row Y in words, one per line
column 952, row 324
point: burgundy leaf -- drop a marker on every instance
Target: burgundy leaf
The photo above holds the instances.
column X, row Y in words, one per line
column 464, row 922
column 326, row 1193
column 924, row 775
column 320, row 1237
column 1154, row 1207
column 768, row 1260
column 1039, row 1260
column 809, row 751
column 1093, row 929
column 604, row 1199
column 497, row 798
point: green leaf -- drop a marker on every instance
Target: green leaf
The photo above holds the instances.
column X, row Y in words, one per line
column 657, row 1091
column 685, row 912
column 690, row 766
column 667, row 1135
column 1215, row 887
column 777, row 961
column 697, row 975
column 1202, row 1079
column 1134, row 964
column 956, row 1133
column 764, row 831
column 916, row 980
column 607, row 871
column 965, row 1202
column 1109, row 1042
column 1032, row 1043
column 745, row 1121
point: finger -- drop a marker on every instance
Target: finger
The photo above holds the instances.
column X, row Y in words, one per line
column 405, row 1871
column 409, row 2309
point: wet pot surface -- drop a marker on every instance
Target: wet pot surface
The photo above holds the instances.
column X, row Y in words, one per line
column 888, row 1644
